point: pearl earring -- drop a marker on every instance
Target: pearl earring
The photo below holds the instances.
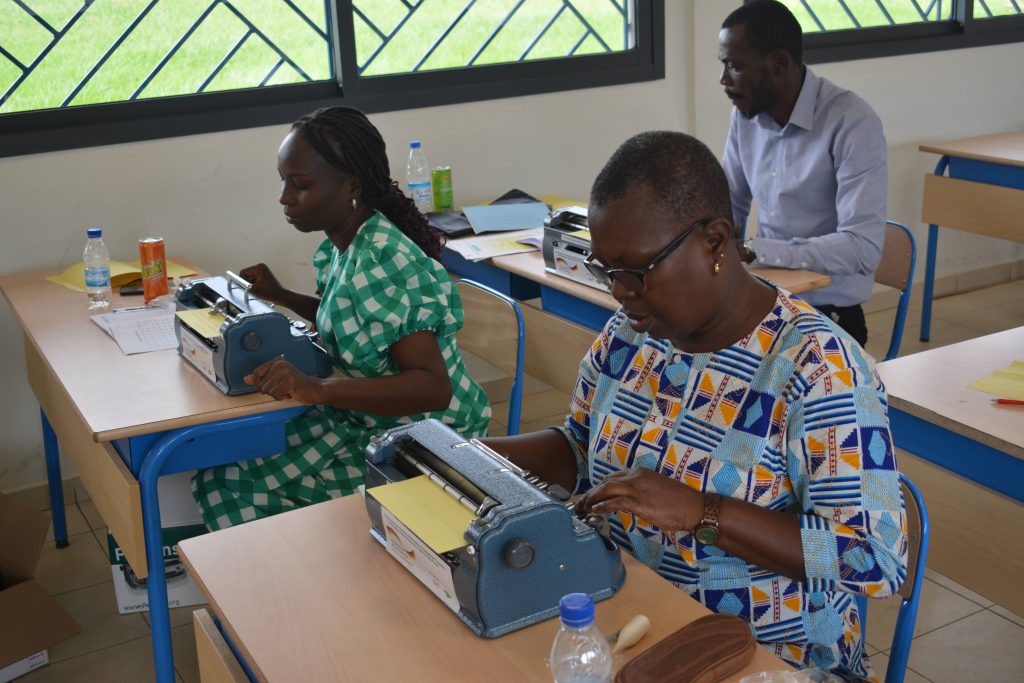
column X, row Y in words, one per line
column 353, row 203
column 717, row 267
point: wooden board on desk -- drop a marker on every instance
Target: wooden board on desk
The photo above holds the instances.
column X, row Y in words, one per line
column 163, row 391
column 968, row 206
column 998, row 148
column 333, row 605
column 530, row 265
column 932, row 385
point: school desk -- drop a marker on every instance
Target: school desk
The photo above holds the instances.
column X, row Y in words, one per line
column 522, row 276
column 983, row 194
column 970, row 460
column 124, row 421
column 309, row 595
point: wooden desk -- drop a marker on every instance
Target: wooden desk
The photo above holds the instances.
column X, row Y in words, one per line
column 971, row 466
column 123, row 421
column 983, row 194
column 334, row 606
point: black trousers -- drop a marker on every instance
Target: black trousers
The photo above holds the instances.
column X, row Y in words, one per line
column 850, row 318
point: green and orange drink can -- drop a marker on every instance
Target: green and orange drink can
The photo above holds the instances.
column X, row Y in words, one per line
column 441, row 181
column 154, row 268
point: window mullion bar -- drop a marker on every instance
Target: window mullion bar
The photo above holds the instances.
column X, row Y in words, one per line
column 305, row 18
column 856, row 24
column 441, row 38
column 814, row 16
column 271, row 44
column 32, row 13
column 110, row 51
column 12, row 58
column 583, row 20
column 223, row 62
column 496, row 31
column 42, row 55
column 885, row 12
column 540, row 35
column 394, row 31
column 174, row 49
column 366, row 20
column 580, row 42
column 270, row 74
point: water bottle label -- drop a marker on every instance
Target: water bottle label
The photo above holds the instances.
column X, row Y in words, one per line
column 97, row 276
column 421, row 193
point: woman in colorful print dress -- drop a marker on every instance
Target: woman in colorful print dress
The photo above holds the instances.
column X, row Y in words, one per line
column 385, row 310
column 736, row 439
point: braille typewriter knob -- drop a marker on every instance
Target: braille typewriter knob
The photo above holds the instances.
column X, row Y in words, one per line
column 251, row 341
column 519, row 553
column 300, row 325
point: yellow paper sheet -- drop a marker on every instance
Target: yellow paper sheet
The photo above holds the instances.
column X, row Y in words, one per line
column 438, row 519
column 121, row 273
column 200, row 320
column 1006, row 383
column 583, row 234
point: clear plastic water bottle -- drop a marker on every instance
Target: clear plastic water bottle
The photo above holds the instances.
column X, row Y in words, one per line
column 97, row 269
column 580, row 653
column 418, row 177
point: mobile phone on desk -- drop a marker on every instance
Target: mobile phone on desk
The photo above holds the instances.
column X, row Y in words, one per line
column 131, row 289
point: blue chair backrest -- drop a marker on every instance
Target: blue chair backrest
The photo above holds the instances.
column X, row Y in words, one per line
column 896, row 269
column 467, row 287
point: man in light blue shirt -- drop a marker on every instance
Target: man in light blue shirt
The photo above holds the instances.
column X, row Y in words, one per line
column 813, row 156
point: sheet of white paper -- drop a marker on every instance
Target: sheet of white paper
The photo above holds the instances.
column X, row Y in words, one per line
column 488, row 246
column 140, row 330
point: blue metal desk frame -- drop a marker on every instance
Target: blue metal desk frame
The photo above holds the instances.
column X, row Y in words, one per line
column 177, row 450
column 963, row 169
column 552, row 300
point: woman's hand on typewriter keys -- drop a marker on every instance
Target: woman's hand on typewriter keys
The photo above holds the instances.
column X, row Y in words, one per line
column 265, row 284
column 281, row 379
column 660, row 500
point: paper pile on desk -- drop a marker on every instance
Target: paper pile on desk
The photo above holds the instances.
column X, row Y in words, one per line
column 483, row 247
column 1006, row 383
column 121, row 273
column 138, row 330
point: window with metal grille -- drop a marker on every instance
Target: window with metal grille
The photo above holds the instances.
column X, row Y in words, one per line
column 836, row 30
column 83, row 72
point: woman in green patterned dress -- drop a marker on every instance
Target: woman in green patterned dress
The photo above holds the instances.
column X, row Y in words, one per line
column 385, row 309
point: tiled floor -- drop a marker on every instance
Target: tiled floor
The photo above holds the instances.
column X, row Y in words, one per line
column 960, row 635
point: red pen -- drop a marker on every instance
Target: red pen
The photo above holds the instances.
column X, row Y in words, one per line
column 1008, row 402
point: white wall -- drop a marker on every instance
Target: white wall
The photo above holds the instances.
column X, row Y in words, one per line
column 214, row 197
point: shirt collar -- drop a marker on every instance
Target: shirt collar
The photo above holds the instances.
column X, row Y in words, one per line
column 806, row 102
column 803, row 110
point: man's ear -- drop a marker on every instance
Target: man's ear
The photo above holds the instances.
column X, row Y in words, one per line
column 779, row 62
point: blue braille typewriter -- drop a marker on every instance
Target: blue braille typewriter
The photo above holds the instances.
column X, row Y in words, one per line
column 251, row 333
column 523, row 548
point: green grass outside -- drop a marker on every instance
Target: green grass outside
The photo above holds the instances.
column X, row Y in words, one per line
column 124, row 72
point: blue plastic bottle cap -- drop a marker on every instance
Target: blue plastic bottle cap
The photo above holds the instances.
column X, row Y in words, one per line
column 414, row 144
column 576, row 609
column 94, row 232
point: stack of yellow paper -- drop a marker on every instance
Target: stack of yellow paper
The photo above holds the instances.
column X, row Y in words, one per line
column 1006, row 383
column 121, row 273
column 203, row 321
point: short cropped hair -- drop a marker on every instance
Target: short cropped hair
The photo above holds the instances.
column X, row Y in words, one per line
column 769, row 26
column 681, row 174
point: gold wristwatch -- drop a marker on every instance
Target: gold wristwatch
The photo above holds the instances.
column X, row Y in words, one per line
column 707, row 532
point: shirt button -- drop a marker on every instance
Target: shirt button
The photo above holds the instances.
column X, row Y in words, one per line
column 772, row 214
column 774, row 174
column 761, row 259
column 778, row 260
column 803, row 264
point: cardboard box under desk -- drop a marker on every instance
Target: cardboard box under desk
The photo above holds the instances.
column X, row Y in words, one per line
column 30, row 620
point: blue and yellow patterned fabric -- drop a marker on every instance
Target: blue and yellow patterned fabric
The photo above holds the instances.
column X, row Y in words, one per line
column 791, row 417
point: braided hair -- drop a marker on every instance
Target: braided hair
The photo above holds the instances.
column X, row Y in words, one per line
column 346, row 140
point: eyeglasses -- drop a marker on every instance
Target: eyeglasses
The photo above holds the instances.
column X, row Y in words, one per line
column 635, row 280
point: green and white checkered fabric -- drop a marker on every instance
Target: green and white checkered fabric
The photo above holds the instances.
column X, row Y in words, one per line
column 378, row 291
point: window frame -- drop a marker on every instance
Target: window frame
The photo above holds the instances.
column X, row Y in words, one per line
column 960, row 31
column 51, row 130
